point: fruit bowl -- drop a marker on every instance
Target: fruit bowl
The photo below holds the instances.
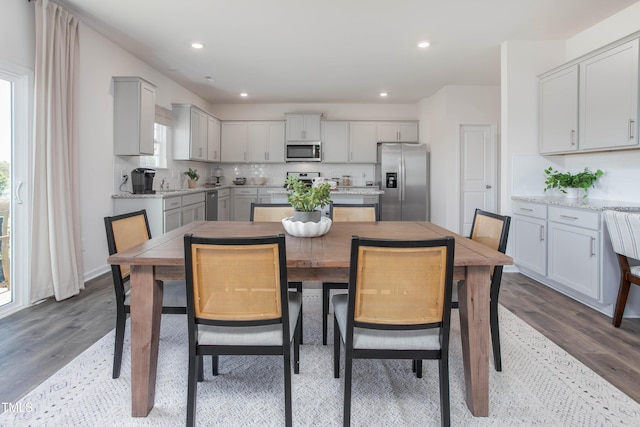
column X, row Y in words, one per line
column 306, row 229
column 259, row 180
column 240, row 181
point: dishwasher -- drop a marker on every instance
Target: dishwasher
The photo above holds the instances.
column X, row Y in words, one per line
column 211, row 205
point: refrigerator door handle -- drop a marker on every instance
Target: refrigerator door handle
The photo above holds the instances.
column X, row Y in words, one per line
column 400, row 179
column 403, row 176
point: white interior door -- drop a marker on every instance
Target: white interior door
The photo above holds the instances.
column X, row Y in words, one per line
column 479, row 175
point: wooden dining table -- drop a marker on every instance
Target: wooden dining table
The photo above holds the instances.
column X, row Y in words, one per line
column 324, row 258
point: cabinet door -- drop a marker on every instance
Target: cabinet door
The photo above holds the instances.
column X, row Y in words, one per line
column 362, row 142
column 242, row 207
column 172, row 219
column 387, row 132
column 257, row 140
column 312, row 127
column 223, row 209
column 609, row 99
column 303, row 127
column 233, row 141
column 295, row 127
column 133, row 116
column 559, row 111
column 213, row 139
column 198, row 145
column 335, row 142
column 276, row 143
column 408, row 132
column 573, row 258
column 188, row 214
column 530, row 245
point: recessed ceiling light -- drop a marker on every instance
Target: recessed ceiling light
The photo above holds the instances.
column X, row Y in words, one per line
column 383, row 94
column 423, row 44
column 244, row 94
column 209, row 79
column 197, row 45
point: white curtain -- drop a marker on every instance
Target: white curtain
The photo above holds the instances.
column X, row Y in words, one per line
column 55, row 245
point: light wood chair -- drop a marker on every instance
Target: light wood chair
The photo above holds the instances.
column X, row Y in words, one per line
column 624, row 231
column 123, row 232
column 344, row 212
column 491, row 230
column 398, row 306
column 235, row 310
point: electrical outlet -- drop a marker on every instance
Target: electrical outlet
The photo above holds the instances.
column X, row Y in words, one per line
column 125, row 178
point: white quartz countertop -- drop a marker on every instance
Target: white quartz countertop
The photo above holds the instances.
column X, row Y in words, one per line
column 362, row 191
column 593, row 204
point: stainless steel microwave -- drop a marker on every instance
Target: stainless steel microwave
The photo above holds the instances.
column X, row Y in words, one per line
column 304, row 151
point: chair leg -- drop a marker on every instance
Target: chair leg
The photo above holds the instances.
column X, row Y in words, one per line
column 348, row 366
column 336, row 348
column 121, row 322
column 621, row 302
column 445, row 410
column 288, row 417
column 325, row 311
column 495, row 333
column 297, row 336
column 192, row 388
column 215, row 364
column 298, row 287
column 200, row 369
column 413, row 365
column 419, row 368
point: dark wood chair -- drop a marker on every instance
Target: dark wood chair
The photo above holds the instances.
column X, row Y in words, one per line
column 624, row 231
column 237, row 310
column 398, row 306
column 491, row 230
column 123, row 232
column 344, row 212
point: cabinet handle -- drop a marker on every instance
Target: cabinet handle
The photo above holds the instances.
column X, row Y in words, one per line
column 266, row 155
column 573, row 218
column 593, row 246
column 542, row 233
column 304, row 134
column 631, row 123
column 572, row 137
column 244, row 156
column 526, row 209
column 215, row 155
column 200, row 152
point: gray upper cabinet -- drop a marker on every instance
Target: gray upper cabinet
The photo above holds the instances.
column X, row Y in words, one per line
column 601, row 90
column 134, row 104
column 303, row 126
column 190, row 133
column 397, row 131
column 559, row 111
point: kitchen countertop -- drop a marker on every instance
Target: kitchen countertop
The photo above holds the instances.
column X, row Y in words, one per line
column 274, row 190
column 593, row 204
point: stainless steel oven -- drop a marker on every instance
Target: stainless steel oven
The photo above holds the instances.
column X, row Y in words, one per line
column 304, row 151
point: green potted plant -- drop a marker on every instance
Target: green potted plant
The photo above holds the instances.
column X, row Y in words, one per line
column 193, row 176
column 566, row 181
column 306, row 200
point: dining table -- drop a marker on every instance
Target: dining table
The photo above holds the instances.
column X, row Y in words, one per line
column 323, row 258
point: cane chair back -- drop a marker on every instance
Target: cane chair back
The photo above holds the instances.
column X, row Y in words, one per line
column 353, row 212
column 270, row 212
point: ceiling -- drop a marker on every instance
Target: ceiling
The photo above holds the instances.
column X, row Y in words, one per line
column 333, row 51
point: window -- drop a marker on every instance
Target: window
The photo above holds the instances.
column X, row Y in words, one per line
column 159, row 159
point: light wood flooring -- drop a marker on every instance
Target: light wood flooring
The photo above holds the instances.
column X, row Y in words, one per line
column 38, row 341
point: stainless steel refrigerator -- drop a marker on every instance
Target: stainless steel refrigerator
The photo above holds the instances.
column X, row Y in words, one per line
column 403, row 173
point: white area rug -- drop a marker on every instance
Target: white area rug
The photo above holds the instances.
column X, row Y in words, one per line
column 540, row 385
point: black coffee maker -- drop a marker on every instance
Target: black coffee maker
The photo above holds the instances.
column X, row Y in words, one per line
column 142, row 180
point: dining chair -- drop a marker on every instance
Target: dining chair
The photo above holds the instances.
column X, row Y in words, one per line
column 624, row 231
column 491, row 230
column 235, row 310
column 274, row 212
column 344, row 212
column 123, row 232
column 398, row 306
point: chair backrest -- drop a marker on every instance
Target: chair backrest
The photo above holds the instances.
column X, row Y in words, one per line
column 346, row 212
column 401, row 284
column 270, row 212
column 624, row 231
column 125, row 231
column 491, row 230
column 236, row 280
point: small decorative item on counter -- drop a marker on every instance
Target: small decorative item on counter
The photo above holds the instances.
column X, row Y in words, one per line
column 193, row 176
column 240, row 180
column 569, row 183
column 346, row 180
column 258, row 180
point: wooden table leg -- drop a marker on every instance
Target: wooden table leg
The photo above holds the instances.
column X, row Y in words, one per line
column 146, row 309
column 473, row 301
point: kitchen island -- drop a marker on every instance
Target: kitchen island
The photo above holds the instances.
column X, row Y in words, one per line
column 354, row 195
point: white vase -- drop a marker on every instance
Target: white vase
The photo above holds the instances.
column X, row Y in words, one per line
column 306, row 229
column 573, row 193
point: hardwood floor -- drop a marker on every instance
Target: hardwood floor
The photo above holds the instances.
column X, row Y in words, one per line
column 38, row 341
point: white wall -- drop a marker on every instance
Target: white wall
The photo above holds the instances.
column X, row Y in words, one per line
column 379, row 111
column 17, row 34
column 443, row 114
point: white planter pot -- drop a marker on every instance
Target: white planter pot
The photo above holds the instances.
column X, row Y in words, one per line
column 573, row 193
column 306, row 229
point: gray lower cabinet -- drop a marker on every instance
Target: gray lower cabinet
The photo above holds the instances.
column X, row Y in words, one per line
column 567, row 249
column 244, row 196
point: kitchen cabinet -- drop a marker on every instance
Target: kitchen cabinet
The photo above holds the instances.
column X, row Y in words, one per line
column 134, row 103
column 213, row 139
column 609, row 99
column 303, row 126
column 242, row 199
column 256, row 142
column 568, row 249
column 397, row 131
column 558, row 98
column 605, row 102
column 193, row 208
column 349, row 142
column 224, row 204
column 190, row 127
